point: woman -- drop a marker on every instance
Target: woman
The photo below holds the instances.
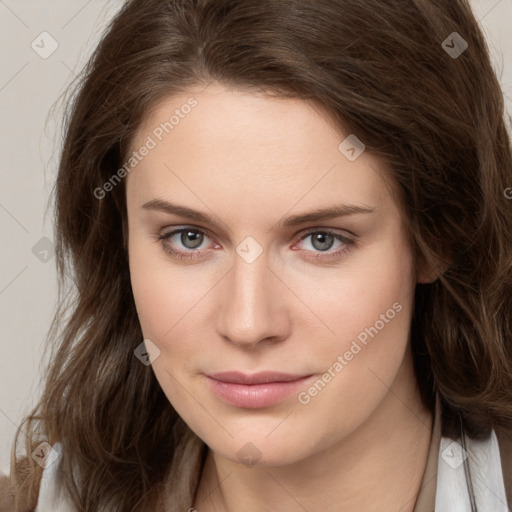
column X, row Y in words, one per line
column 287, row 226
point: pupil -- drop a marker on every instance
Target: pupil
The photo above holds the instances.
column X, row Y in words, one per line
column 196, row 239
column 324, row 245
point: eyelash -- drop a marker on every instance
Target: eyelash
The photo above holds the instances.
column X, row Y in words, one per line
column 323, row 256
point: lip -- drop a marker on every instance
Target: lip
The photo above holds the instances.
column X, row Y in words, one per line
column 254, row 391
column 255, row 378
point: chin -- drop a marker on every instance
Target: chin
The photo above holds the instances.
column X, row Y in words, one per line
column 259, row 451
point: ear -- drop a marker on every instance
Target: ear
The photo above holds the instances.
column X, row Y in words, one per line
column 427, row 274
column 425, row 278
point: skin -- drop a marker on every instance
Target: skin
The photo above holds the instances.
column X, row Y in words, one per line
column 250, row 160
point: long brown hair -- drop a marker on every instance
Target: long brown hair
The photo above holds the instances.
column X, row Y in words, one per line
column 393, row 73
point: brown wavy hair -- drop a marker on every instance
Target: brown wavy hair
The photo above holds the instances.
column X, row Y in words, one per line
column 381, row 71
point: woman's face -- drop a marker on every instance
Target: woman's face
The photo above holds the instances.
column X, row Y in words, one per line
column 253, row 283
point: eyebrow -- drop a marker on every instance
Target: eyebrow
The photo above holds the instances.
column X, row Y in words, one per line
column 332, row 212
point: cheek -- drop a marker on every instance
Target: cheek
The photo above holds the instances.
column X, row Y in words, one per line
column 378, row 281
column 148, row 286
column 369, row 308
column 164, row 305
column 155, row 297
column 168, row 300
column 372, row 324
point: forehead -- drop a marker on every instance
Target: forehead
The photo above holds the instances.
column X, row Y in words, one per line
column 251, row 151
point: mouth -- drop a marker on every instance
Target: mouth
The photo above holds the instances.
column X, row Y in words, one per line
column 254, row 391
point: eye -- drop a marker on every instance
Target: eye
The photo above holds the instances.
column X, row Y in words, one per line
column 323, row 240
column 192, row 238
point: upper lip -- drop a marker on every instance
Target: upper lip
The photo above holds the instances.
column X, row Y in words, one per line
column 255, row 378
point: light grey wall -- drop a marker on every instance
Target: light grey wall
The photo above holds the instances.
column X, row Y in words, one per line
column 29, row 86
column 29, row 135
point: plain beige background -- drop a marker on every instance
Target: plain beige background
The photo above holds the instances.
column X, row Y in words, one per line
column 31, row 81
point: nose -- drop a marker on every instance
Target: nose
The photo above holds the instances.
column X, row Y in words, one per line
column 253, row 305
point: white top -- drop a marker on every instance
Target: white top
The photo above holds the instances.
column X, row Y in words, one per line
column 486, row 474
column 51, row 497
column 452, row 494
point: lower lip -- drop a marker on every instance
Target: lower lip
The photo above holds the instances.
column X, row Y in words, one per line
column 255, row 396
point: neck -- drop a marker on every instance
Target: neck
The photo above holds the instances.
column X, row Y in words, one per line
column 378, row 467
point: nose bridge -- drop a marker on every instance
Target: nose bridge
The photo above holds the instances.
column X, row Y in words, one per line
column 248, row 313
